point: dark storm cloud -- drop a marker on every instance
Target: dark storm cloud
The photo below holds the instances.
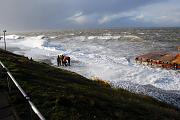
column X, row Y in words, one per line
column 49, row 14
column 110, row 6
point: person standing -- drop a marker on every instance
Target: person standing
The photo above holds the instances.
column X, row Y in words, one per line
column 58, row 61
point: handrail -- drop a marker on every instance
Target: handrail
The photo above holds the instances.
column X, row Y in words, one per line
column 36, row 111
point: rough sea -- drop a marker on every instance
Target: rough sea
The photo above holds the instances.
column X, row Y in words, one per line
column 109, row 55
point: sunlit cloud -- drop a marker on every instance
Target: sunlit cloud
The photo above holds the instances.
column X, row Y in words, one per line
column 82, row 19
column 110, row 18
column 166, row 14
column 162, row 14
column 79, row 18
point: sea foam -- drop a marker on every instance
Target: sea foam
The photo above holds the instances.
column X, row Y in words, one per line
column 111, row 60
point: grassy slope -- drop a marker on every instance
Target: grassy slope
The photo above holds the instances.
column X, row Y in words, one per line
column 61, row 94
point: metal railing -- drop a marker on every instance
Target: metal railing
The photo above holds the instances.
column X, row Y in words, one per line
column 33, row 107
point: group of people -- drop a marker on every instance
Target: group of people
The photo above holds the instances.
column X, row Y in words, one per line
column 63, row 60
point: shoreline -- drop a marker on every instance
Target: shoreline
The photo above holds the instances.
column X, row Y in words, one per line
column 56, row 90
column 167, row 96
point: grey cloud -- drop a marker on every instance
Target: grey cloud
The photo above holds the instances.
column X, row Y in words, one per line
column 49, row 14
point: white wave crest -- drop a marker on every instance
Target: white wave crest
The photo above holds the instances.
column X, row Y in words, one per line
column 115, row 37
column 105, row 37
column 33, row 42
column 131, row 36
column 12, row 37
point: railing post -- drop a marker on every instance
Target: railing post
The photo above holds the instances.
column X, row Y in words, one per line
column 4, row 39
column 29, row 109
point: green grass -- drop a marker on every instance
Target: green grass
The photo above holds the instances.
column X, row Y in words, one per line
column 60, row 94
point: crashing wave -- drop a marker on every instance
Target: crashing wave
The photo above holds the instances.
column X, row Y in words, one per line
column 171, row 97
column 53, row 37
column 105, row 37
column 115, row 37
column 42, row 37
column 31, row 42
column 12, row 37
column 99, row 56
column 131, row 36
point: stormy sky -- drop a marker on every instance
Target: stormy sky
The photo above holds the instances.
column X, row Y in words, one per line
column 65, row 14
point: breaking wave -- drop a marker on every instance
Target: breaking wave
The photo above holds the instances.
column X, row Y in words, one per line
column 13, row 37
column 111, row 60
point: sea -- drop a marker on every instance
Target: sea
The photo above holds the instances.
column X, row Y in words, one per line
column 107, row 54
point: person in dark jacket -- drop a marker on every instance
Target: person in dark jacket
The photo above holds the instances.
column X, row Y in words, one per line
column 58, row 61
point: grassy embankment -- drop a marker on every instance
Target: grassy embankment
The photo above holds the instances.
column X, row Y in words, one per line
column 60, row 94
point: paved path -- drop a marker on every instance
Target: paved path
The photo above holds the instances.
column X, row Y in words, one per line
column 6, row 111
